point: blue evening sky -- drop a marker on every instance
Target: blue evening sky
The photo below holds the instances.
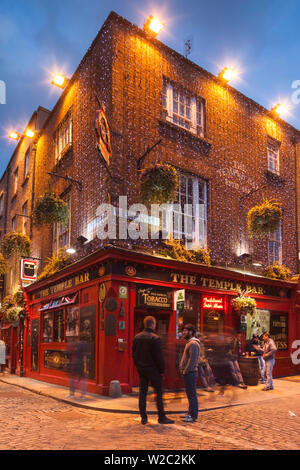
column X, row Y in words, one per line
column 260, row 37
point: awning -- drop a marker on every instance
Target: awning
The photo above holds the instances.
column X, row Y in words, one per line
column 5, row 327
column 60, row 302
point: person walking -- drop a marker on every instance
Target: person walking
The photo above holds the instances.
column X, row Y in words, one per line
column 77, row 350
column 255, row 346
column 148, row 359
column 235, row 351
column 188, row 367
column 2, row 356
column 269, row 358
column 204, row 369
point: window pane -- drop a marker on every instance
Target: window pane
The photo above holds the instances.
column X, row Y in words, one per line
column 47, row 327
column 58, row 326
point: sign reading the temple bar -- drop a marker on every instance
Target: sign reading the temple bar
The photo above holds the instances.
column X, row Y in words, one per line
column 148, row 296
column 103, row 135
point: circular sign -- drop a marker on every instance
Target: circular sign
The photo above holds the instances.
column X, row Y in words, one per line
column 130, row 270
column 101, row 270
column 111, row 304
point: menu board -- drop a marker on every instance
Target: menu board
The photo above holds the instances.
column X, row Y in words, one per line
column 279, row 331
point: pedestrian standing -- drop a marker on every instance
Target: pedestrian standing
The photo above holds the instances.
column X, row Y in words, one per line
column 255, row 346
column 269, row 358
column 148, row 359
column 204, row 369
column 2, row 356
column 189, row 367
column 235, row 351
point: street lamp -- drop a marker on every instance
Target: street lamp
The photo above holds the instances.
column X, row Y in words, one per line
column 280, row 109
column 14, row 135
column 59, row 80
column 17, row 135
column 227, row 74
column 71, row 251
column 153, row 26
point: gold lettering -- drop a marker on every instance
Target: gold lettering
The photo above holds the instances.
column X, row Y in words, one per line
column 226, row 285
column 174, row 277
column 211, row 283
column 193, row 280
column 219, row 284
column 260, row 290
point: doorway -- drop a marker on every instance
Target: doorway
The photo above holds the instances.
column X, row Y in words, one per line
column 162, row 330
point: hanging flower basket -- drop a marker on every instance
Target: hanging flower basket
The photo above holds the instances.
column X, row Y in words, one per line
column 12, row 314
column 15, row 242
column 278, row 271
column 7, row 303
column 177, row 250
column 244, row 305
column 264, row 219
column 3, row 265
column 55, row 264
column 159, row 184
column 50, row 209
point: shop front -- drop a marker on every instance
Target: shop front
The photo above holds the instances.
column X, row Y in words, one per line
column 103, row 299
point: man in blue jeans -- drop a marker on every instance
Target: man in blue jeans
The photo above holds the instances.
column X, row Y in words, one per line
column 269, row 358
column 189, row 367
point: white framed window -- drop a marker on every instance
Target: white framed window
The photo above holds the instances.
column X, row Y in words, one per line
column 275, row 247
column 26, row 163
column 63, row 137
column 182, row 108
column 189, row 212
column 62, row 233
column 273, row 157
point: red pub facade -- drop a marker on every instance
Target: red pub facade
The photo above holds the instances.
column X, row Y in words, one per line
column 103, row 299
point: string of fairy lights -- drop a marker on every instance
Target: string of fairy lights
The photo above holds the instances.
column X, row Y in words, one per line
column 237, row 130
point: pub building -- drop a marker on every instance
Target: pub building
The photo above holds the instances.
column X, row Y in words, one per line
column 103, row 298
column 131, row 103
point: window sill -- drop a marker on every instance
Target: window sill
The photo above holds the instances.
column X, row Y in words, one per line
column 274, row 178
column 63, row 153
column 168, row 129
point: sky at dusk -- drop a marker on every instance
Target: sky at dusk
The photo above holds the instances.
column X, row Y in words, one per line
column 259, row 37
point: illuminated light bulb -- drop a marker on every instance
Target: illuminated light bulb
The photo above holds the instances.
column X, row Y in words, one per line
column 71, row 251
column 153, row 25
column 59, row 80
column 280, row 109
column 14, row 135
column 29, row 133
column 228, row 73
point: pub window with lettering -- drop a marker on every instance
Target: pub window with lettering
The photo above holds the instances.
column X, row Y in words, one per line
column 61, row 325
column 213, row 314
column 189, row 314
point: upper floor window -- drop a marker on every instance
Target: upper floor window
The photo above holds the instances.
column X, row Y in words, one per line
column 189, row 212
column 14, row 223
column 1, row 203
column 273, row 156
column 25, row 217
column 182, row 108
column 61, row 233
column 275, row 246
column 26, row 164
column 15, row 183
column 63, row 136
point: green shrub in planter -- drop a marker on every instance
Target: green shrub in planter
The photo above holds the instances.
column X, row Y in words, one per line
column 264, row 219
column 55, row 264
column 177, row 250
column 244, row 305
column 278, row 271
column 159, row 184
column 3, row 265
column 19, row 298
column 201, row 256
column 15, row 242
column 50, row 209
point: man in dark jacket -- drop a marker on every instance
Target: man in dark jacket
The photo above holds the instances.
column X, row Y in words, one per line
column 148, row 359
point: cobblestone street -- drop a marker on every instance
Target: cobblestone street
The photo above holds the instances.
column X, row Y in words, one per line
column 30, row 421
